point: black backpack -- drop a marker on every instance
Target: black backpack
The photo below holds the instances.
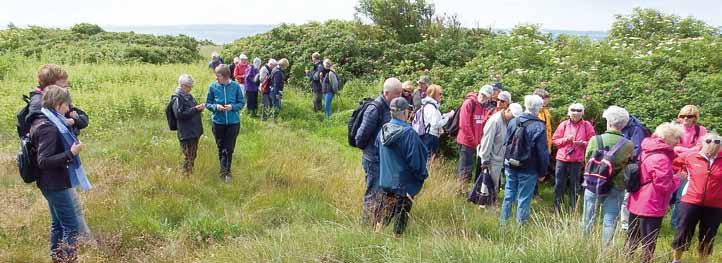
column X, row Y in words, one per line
column 599, row 170
column 26, row 161
column 21, row 115
column 516, row 149
column 633, row 175
column 170, row 114
column 356, row 118
column 452, row 126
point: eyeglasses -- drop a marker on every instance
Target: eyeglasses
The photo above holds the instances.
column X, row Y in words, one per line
column 709, row 141
column 577, row 110
column 686, row 116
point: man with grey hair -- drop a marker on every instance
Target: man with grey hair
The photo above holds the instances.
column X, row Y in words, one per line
column 187, row 113
column 526, row 157
column 608, row 198
column 403, row 171
column 374, row 117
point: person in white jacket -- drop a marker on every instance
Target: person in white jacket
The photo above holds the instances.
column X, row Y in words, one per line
column 491, row 148
column 431, row 121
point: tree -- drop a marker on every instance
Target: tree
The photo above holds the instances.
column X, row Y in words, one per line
column 652, row 25
column 87, row 29
column 406, row 19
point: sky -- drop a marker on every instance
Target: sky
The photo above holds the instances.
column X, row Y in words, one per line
column 500, row 14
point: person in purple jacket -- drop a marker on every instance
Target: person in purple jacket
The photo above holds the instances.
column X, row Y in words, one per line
column 251, row 82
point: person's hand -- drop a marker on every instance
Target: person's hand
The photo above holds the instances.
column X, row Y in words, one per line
column 69, row 121
column 199, row 107
column 228, row 107
column 579, row 143
column 220, row 108
column 74, row 115
column 450, row 113
column 76, row 147
column 569, row 139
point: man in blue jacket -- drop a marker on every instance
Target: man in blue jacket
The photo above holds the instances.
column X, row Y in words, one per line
column 521, row 175
column 402, row 157
column 225, row 100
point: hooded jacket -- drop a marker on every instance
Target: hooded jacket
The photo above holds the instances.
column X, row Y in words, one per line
column 432, row 116
column 536, row 139
column 580, row 131
column 190, row 125
column 219, row 94
column 657, row 178
column 402, row 159
column 471, row 124
column 51, row 156
column 239, row 72
column 635, row 132
column 704, row 181
column 250, row 80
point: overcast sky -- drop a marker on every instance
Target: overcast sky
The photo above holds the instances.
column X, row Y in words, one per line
column 552, row 14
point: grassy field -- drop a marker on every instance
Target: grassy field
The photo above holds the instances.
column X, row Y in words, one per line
column 295, row 196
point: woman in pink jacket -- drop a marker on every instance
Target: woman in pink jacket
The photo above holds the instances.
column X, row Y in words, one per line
column 658, row 182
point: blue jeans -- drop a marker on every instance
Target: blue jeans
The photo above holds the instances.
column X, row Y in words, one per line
column 466, row 161
column 372, row 187
column 327, row 98
column 566, row 181
column 519, row 188
column 610, row 205
column 674, row 220
column 65, row 227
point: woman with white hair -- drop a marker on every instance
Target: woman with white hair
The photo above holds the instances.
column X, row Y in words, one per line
column 570, row 138
column 702, row 201
column 251, row 82
column 608, row 192
column 188, row 115
column 239, row 71
column 648, row 205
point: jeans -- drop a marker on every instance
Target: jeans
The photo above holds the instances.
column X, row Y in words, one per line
column 327, row 98
column 65, row 225
column 466, row 161
column 643, row 231
column 675, row 210
column 265, row 105
column 567, row 179
column 83, row 229
column 372, row 187
column 690, row 215
column 520, row 189
column 610, row 205
column 226, row 141
column 317, row 95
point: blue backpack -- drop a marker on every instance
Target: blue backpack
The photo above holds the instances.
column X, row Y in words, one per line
column 599, row 170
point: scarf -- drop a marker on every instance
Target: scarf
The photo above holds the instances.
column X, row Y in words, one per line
column 75, row 169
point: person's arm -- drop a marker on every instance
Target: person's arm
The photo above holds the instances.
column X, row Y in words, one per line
column 661, row 174
column 416, row 155
column 436, row 119
column 211, row 100
column 47, row 155
column 466, row 119
column 558, row 139
column 182, row 110
column 82, row 120
column 368, row 125
column 240, row 101
column 589, row 133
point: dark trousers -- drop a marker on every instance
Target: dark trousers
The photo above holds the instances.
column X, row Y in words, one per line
column 189, row 148
column 371, row 199
column 709, row 220
column 266, row 103
column 226, row 141
column 317, row 98
column 431, row 142
column 252, row 97
column 566, row 179
column 395, row 207
column 643, row 231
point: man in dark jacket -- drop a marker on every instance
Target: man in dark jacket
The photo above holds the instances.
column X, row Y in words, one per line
column 314, row 75
column 402, row 157
column 521, row 175
column 190, row 127
column 278, row 78
column 373, row 119
column 635, row 132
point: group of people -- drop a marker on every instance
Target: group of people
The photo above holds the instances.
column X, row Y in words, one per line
column 625, row 170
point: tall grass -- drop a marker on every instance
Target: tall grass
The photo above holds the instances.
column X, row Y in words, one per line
column 295, row 196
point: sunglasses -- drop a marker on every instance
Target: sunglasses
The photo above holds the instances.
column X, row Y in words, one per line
column 709, row 141
column 686, row 116
column 577, row 110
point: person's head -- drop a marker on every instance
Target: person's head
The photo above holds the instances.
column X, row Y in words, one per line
column 688, row 115
column 436, row 92
column 408, row 88
column 56, row 98
column 484, row 93
column 243, row 58
column 617, row 118
column 399, row 108
column 215, row 56
column 576, row 112
column 223, row 74
column 392, row 89
column 236, row 60
column 51, row 74
column 533, row 104
column 257, row 62
column 283, row 63
column 711, row 145
column 503, row 100
column 670, row 133
column 185, row 82
column 497, row 88
column 544, row 94
column 424, row 82
column 272, row 63
column 315, row 57
column 512, row 111
column 327, row 64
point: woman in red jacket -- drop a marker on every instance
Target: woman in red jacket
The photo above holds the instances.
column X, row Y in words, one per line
column 702, row 199
column 648, row 205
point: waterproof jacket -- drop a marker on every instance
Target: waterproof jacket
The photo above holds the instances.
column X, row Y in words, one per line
column 471, row 124
column 535, row 136
column 704, row 181
column 657, row 179
column 373, row 119
column 491, row 148
column 190, row 125
column 621, row 157
column 250, row 80
column 277, row 78
column 402, row 159
column 546, row 117
column 432, row 116
column 635, row 132
column 315, row 77
column 219, row 94
column 568, row 151
column 51, row 156
column 239, row 73
column 330, row 84
column 691, row 140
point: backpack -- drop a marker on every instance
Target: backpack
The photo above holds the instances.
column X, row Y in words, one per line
column 354, row 123
column 266, row 84
column 516, row 149
column 633, row 175
column 22, row 114
column 336, row 83
column 452, row 127
column 419, row 123
column 170, row 114
column 599, row 170
column 26, row 161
